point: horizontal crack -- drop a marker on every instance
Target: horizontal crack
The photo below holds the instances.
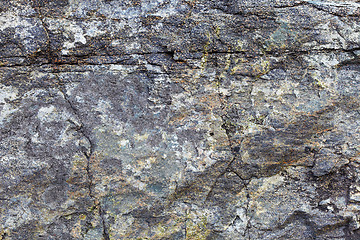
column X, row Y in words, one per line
column 97, row 60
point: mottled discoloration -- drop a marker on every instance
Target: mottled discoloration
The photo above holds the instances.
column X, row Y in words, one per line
column 179, row 119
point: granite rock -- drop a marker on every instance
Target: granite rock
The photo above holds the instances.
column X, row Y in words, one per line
column 179, row 119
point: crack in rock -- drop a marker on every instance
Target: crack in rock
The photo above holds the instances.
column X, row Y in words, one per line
column 88, row 154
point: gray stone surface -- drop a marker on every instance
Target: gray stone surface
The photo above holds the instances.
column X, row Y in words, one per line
column 176, row 119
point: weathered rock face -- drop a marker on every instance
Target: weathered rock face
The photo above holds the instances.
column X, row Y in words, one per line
column 176, row 119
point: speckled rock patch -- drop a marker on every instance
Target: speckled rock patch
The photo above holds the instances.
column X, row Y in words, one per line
column 179, row 119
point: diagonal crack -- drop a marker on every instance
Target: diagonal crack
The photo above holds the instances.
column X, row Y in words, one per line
column 234, row 153
column 41, row 17
column 322, row 7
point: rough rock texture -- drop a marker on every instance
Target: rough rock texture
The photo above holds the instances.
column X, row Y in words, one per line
column 179, row 119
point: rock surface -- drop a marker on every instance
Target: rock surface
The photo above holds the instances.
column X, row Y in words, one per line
column 179, row 119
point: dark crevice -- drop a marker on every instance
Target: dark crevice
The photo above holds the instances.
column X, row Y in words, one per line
column 318, row 7
column 234, row 149
column 234, row 153
column 314, row 229
column 343, row 223
column 247, row 213
column 85, row 60
column 213, row 186
column 105, row 229
column 298, row 216
column 73, row 214
column 349, row 62
column 240, row 12
column 290, row 5
column 46, row 52
column 88, row 153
